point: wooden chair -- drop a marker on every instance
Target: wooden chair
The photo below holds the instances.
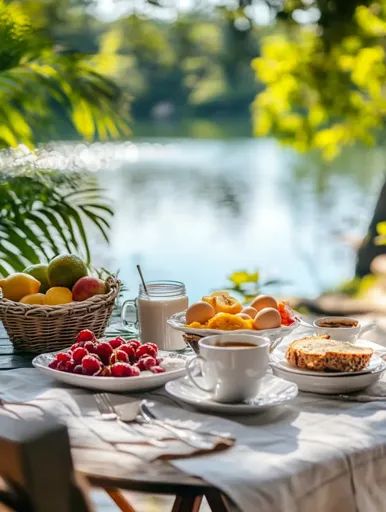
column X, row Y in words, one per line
column 36, row 467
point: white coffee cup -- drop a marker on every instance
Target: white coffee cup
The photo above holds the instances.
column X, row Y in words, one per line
column 350, row 333
column 230, row 373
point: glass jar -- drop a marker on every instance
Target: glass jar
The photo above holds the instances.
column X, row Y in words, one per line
column 151, row 309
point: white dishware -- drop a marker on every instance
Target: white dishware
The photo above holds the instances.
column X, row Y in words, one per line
column 149, row 312
column 328, row 384
column 283, row 364
column 232, row 366
column 349, row 333
column 178, row 322
column 172, row 362
column 273, row 392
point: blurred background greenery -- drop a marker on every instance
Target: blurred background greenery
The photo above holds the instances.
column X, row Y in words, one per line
column 188, row 83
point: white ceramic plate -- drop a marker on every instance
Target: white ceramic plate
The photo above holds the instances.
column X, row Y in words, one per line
column 178, row 322
column 330, row 385
column 273, row 392
column 283, row 364
column 173, row 362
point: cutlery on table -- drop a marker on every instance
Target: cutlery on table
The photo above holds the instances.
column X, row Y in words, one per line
column 109, row 412
column 142, row 416
column 189, row 437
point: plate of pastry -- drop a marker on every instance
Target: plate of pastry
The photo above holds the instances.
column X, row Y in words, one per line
column 321, row 364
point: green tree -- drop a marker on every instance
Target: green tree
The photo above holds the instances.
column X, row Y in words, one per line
column 44, row 212
column 37, row 83
column 323, row 80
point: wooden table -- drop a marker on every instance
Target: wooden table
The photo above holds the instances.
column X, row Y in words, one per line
column 122, row 471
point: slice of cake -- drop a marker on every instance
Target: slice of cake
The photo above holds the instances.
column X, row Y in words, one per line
column 320, row 353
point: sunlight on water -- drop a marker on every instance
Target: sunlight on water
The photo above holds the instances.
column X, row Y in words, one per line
column 195, row 210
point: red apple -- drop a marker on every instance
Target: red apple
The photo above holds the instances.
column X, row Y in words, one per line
column 87, row 287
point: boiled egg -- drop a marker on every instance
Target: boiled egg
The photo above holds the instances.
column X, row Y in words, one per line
column 251, row 312
column 264, row 301
column 267, row 318
column 245, row 316
column 199, row 312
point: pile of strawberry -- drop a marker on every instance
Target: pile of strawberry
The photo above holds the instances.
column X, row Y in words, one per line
column 114, row 358
column 286, row 313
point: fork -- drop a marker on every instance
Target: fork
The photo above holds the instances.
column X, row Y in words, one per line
column 108, row 412
column 186, row 436
column 189, row 438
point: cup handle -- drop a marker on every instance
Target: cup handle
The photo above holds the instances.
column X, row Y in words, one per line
column 131, row 306
column 190, row 365
column 367, row 327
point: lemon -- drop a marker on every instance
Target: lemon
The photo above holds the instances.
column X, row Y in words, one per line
column 40, row 272
column 65, row 270
column 19, row 285
column 58, row 295
column 34, row 298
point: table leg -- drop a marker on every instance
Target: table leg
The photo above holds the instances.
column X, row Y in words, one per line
column 119, row 499
column 215, row 501
column 187, row 503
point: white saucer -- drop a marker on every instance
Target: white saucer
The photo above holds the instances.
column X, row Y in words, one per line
column 273, row 392
column 283, row 364
column 315, row 382
column 330, row 383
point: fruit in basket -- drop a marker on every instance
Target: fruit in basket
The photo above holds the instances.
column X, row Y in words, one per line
column 87, row 287
column 264, row 301
column 18, row 285
column 58, row 295
column 39, row 272
column 34, row 298
column 267, row 318
column 64, row 270
column 222, row 302
column 199, row 312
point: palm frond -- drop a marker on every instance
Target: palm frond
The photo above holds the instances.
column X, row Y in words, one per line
column 41, row 215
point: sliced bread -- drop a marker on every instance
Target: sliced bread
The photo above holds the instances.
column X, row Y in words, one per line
column 320, row 353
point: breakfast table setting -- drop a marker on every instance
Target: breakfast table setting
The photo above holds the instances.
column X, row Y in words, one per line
column 253, row 406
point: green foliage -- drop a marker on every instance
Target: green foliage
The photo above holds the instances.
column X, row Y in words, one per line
column 380, row 239
column 324, row 82
column 38, row 84
column 248, row 284
column 43, row 213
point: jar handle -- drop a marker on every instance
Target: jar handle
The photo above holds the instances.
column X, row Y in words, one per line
column 129, row 315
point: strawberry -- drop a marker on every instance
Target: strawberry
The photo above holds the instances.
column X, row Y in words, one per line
column 91, row 365
column 104, row 351
column 85, row 335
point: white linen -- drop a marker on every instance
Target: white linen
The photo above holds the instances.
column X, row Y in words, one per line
column 315, row 454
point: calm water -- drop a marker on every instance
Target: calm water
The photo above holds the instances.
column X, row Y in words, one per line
column 197, row 209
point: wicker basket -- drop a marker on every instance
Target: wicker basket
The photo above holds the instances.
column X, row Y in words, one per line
column 40, row 329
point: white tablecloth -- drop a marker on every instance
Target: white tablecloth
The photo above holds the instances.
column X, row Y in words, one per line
column 316, row 454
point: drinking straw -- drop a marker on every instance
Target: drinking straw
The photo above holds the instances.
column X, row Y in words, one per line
column 142, row 279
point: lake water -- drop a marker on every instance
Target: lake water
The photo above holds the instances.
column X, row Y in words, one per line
column 197, row 209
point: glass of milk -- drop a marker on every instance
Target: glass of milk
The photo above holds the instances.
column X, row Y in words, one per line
column 149, row 312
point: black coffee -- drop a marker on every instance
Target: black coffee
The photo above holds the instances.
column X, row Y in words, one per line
column 232, row 344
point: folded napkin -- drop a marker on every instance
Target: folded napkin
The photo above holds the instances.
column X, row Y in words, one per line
column 26, row 393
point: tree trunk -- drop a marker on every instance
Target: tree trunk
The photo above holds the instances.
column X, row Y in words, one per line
column 368, row 250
